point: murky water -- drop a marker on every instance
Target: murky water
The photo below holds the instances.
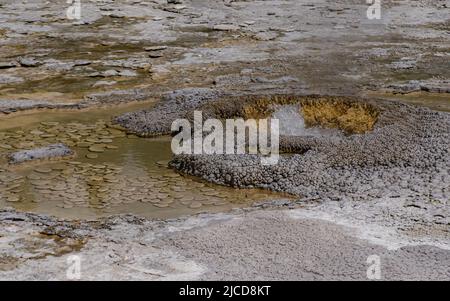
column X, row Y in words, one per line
column 111, row 173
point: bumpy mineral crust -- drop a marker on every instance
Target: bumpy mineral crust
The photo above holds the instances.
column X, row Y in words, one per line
column 405, row 154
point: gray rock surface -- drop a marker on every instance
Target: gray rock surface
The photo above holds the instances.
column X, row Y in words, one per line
column 253, row 245
column 200, row 42
column 49, row 152
column 13, row 105
column 433, row 85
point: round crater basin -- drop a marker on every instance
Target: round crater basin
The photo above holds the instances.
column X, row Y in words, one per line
column 292, row 123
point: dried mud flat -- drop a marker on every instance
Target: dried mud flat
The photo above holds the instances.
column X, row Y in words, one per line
column 395, row 206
